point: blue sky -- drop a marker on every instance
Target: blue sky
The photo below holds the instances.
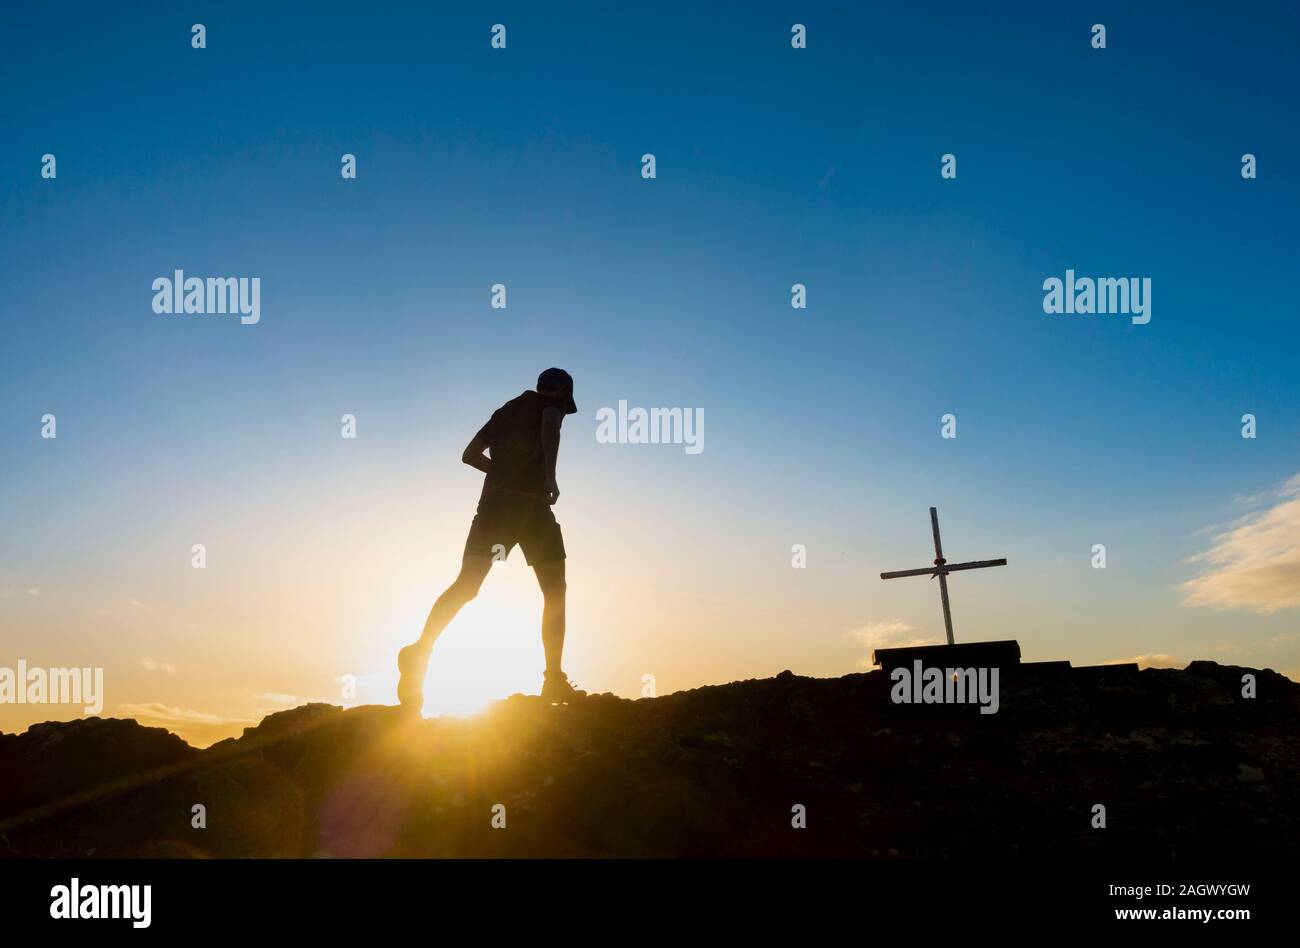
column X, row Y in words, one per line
column 522, row 166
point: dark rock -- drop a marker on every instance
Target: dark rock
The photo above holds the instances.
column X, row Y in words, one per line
column 1183, row 763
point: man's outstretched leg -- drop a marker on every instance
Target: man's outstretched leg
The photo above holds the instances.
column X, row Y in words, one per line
column 413, row 660
column 550, row 576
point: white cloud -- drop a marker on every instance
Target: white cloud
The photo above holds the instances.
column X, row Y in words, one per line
column 1148, row 661
column 288, row 701
column 895, row 634
column 1255, row 564
column 197, row 727
column 156, row 711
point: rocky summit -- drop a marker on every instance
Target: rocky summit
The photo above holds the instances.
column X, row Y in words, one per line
column 1183, row 764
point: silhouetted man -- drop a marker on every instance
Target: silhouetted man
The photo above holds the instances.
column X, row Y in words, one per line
column 522, row 439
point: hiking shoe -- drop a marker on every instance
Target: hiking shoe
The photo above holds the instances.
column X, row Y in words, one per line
column 557, row 689
column 412, row 666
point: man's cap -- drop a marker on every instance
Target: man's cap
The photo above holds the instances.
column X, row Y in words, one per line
column 558, row 380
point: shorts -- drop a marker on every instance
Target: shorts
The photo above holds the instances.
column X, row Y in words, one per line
column 504, row 519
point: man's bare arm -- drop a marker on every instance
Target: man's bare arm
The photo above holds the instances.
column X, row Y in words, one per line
column 475, row 457
column 552, row 418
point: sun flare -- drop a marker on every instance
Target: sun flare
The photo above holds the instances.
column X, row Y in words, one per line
column 492, row 649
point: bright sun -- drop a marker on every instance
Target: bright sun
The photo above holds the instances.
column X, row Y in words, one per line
column 492, row 649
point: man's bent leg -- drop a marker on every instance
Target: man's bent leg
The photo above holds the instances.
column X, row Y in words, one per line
column 550, row 576
column 473, row 570
column 413, row 660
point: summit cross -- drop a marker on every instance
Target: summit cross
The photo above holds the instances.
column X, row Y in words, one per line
column 942, row 568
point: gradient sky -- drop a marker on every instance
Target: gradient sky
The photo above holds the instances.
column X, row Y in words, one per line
column 522, row 166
